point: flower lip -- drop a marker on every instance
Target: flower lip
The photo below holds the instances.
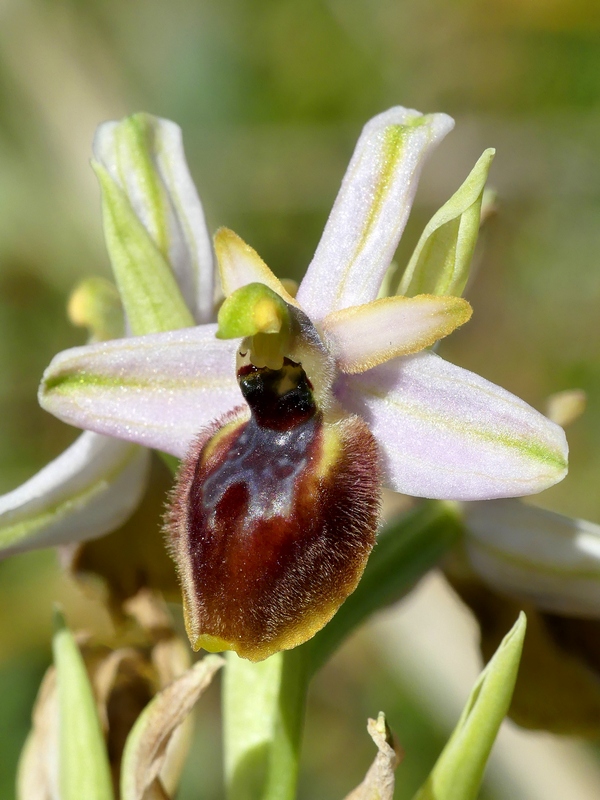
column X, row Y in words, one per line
column 271, row 527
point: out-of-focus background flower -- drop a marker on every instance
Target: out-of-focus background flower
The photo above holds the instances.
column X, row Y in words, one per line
column 271, row 98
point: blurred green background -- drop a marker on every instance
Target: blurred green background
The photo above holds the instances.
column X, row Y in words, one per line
column 271, row 97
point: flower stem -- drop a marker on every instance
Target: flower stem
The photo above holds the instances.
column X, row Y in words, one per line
column 282, row 775
column 263, row 710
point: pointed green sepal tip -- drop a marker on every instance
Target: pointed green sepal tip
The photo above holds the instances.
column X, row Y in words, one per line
column 442, row 258
column 458, row 772
column 59, row 623
column 84, row 770
column 252, row 309
column 95, row 304
column 147, row 285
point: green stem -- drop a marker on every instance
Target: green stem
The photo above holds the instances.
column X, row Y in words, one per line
column 263, row 713
column 284, row 759
column 250, row 695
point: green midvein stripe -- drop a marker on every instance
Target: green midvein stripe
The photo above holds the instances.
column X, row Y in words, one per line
column 146, row 282
column 9, row 534
column 535, row 450
column 138, row 137
column 394, row 138
column 136, row 276
column 64, row 384
column 393, row 147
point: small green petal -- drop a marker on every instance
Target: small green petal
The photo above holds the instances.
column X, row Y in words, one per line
column 252, row 309
column 458, row 771
column 147, row 285
column 442, row 258
column 84, row 771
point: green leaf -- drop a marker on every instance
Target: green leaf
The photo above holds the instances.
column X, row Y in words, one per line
column 458, row 771
column 84, row 770
column 147, row 285
column 442, row 258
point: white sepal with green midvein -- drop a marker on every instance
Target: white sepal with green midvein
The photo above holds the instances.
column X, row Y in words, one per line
column 537, row 556
column 88, row 490
column 154, row 224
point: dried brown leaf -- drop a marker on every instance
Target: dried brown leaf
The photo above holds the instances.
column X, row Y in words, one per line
column 146, row 747
column 37, row 777
column 379, row 780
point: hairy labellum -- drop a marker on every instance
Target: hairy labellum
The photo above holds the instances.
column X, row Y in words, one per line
column 273, row 517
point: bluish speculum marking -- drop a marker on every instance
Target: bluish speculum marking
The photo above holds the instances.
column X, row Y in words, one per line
column 260, row 471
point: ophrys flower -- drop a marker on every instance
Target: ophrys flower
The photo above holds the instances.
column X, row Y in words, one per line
column 379, row 398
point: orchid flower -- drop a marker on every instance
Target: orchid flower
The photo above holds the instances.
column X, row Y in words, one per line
column 291, row 412
column 97, row 483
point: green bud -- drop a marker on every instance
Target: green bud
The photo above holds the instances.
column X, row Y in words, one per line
column 442, row 258
column 458, row 771
column 84, row 770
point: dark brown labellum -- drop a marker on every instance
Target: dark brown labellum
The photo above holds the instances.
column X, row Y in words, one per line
column 273, row 517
